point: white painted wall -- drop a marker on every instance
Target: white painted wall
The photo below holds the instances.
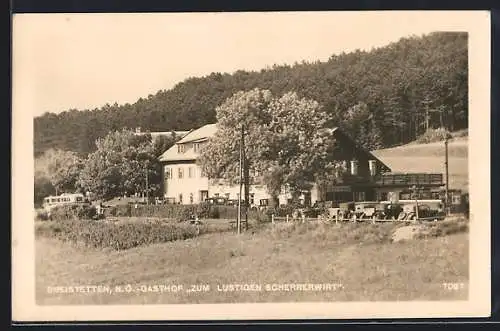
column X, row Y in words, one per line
column 259, row 192
column 186, row 185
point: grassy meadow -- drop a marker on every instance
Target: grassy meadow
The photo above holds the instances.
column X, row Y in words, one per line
column 359, row 259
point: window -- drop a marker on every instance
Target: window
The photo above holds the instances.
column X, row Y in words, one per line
column 180, row 198
column 252, row 198
column 196, row 147
column 168, row 173
column 264, row 202
column 180, row 172
column 191, row 198
column 181, row 148
column 190, row 172
column 360, row 196
column 405, row 196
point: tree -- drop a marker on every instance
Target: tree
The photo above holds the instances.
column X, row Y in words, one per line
column 120, row 165
column 392, row 81
column 61, row 168
column 287, row 140
column 43, row 188
column 162, row 143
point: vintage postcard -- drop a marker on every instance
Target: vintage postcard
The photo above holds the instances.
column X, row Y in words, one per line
column 239, row 166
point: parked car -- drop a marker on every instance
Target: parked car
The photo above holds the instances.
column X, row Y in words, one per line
column 217, row 201
column 365, row 210
column 387, row 210
column 425, row 211
column 346, row 210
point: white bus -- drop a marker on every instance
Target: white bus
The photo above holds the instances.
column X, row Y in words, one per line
column 63, row 199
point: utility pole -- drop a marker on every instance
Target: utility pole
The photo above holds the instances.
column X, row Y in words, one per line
column 415, row 192
column 427, row 118
column 147, row 186
column 246, row 176
column 238, row 221
column 446, row 174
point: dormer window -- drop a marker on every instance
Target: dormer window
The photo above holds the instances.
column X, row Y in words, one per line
column 181, row 148
column 196, row 147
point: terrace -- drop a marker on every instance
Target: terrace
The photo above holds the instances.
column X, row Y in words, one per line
column 417, row 179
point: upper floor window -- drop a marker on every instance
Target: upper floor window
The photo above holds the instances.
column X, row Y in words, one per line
column 196, row 147
column 190, row 172
column 181, row 148
column 180, row 172
column 168, row 173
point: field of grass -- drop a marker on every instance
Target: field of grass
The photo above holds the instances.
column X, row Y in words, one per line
column 430, row 158
column 358, row 260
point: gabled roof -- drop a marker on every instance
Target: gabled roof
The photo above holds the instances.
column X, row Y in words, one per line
column 369, row 155
column 203, row 133
column 198, row 135
column 209, row 130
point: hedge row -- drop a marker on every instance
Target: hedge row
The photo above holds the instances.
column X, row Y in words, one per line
column 103, row 234
column 67, row 212
column 177, row 212
column 181, row 212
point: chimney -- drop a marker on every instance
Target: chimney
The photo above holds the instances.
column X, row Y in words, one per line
column 372, row 165
column 354, row 167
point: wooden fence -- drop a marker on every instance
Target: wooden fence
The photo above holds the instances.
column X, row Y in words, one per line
column 288, row 218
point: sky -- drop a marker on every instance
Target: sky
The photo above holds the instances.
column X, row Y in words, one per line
column 83, row 61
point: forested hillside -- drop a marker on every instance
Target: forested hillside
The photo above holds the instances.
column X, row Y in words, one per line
column 384, row 97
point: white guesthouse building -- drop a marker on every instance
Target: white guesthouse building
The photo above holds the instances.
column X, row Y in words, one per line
column 185, row 183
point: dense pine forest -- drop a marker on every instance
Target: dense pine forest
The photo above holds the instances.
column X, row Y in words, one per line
column 383, row 97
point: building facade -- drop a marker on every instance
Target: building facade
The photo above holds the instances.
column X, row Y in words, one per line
column 366, row 178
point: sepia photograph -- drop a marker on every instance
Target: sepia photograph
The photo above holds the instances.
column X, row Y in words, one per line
column 251, row 165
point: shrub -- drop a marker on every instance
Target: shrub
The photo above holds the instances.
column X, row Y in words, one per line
column 444, row 228
column 433, row 135
column 120, row 236
column 461, row 133
column 117, row 211
column 185, row 212
column 70, row 212
column 214, row 212
column 314, row 212
column 335, row 234
column 260, row 216
column 42, row 215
